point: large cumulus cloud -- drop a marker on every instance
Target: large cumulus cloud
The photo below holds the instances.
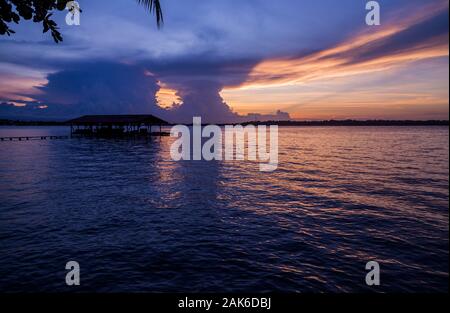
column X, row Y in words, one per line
column 115, row 88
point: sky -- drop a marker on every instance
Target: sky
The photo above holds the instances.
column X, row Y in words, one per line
column 233, row 60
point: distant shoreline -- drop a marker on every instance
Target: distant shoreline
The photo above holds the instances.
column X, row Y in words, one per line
column 356, row 123
column 6, row 122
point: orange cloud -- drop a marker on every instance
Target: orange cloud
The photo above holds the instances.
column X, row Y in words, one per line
column 167, row 97
column 284, row 82
column 330, row 64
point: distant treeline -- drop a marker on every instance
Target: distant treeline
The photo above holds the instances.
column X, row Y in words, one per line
column 6, row 122
column 353, row 123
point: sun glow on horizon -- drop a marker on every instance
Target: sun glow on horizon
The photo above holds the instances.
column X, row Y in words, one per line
column 343, row 80
column 167, row 97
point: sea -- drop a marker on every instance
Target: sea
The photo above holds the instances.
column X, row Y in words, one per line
column 137, row 221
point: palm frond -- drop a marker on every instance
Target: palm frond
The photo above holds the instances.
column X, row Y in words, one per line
column 154, row 6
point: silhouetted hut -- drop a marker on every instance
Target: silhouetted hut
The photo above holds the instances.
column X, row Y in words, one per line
column 116, row 125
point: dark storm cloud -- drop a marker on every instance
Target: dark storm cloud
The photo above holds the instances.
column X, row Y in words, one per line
column 198, row 84
column 112, row 88
column 96, row 88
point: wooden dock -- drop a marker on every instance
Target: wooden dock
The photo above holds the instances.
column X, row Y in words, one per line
column 25, row 138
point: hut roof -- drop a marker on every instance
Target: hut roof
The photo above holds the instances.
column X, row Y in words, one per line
column 117, row 120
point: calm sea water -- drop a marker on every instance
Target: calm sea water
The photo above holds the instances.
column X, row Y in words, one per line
column 137, row 221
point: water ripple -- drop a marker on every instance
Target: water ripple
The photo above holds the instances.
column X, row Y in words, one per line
column 137, row 221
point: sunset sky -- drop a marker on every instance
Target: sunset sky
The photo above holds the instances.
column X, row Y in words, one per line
column 225, row 59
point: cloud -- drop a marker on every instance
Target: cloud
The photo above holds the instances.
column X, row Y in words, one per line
column 391, row 46
column 426, row 35
column 198, row 84
column 99, row 88
column 114, row 88
column 94, row 88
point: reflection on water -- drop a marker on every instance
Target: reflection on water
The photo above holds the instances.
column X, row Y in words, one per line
column 137, row 221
